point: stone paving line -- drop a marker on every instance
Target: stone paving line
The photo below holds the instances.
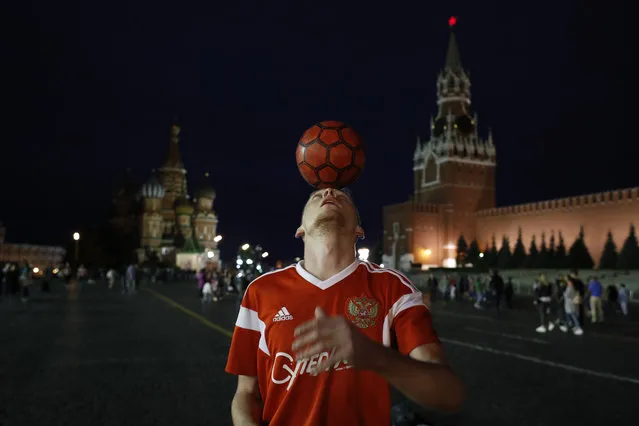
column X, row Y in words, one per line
column 468, row 345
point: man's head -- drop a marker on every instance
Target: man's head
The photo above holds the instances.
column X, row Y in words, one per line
column 330, row 211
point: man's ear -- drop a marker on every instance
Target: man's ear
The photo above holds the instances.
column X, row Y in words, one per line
column 359, row 232
column 300, row 232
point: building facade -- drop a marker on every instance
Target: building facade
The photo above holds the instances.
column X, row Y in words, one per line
column 454, row 193
column 164, row 219
column 37, row 256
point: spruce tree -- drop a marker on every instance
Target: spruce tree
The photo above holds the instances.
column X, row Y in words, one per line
column 551, row 251
column 542, row 259
column 462, row 251
column 629, row 255
column 578, row 255
column 533, row 255
column 561, row 258
column 609, row 257
column 472, row 256
column 491, row 255
column 519, row 253
column 504, row 257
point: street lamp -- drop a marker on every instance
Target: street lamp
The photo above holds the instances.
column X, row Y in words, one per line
column 265, row 254
column 217, row 238
column 76, row 238
column 210, row 254
column 245, row 246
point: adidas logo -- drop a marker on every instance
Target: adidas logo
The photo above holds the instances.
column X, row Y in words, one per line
column 283, row 315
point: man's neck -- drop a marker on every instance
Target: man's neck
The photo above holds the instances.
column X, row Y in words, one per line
column 328, row 255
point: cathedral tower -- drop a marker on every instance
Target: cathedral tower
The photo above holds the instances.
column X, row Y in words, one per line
column 172, row 173
column 184, row 212
column 455, row 167
column 152, row 193
column 205, row 220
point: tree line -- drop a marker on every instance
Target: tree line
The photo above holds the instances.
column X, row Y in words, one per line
column 550, row 255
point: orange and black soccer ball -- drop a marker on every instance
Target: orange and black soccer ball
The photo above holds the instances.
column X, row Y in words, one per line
column 330, row 154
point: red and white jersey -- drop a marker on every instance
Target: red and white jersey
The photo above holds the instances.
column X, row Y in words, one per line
column 381, row 303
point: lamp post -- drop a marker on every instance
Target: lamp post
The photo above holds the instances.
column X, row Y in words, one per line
column 76, row 238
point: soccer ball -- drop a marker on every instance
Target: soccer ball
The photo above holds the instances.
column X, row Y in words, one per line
column 330, row 155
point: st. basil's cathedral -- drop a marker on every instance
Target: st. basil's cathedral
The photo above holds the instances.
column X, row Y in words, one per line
column 162, row 218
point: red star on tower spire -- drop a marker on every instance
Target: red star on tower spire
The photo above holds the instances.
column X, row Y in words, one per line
column 452, row 21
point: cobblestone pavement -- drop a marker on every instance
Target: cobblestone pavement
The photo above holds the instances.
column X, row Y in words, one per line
column 102, row 358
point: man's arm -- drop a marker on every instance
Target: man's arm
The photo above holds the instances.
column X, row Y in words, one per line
column 246, row 408
column 423, row 376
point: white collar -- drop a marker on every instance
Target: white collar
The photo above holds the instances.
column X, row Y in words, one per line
column 329, row 282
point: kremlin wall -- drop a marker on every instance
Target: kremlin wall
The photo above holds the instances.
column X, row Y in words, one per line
column 35, row 255
column 598, row 214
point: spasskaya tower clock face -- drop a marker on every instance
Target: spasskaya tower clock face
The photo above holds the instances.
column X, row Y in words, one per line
column 465, row 125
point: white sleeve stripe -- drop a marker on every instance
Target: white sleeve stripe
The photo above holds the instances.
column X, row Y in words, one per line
column 405, row 302
column 399, row 275
column 248, row 319
column 403, row 278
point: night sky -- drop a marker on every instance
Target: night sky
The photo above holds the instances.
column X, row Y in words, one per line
column 90, row 90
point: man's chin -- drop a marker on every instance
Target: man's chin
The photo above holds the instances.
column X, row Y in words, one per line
column 328, row 215
column 329, row 219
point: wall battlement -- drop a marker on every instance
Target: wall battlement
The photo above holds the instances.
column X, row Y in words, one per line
column 598, row 199
column 427, row 207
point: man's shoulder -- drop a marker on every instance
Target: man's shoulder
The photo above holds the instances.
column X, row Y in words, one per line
column 389, row 277
column 268, row 279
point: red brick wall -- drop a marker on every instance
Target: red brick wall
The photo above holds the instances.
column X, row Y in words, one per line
column 598, row 213
column 428, row 234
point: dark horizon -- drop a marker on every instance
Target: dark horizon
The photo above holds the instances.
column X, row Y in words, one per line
column 92, row 94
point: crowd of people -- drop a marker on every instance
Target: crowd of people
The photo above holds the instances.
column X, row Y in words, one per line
column 482, row 289
column 564, row 303
column 572, row 302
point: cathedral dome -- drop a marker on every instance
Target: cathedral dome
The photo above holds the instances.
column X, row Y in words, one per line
column 152, row 188
column 184, row 207
column 206, row 192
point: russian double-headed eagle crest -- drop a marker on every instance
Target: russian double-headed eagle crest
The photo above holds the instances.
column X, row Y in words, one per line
column 362, row 311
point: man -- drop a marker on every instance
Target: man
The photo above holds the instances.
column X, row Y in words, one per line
column 497, row 283
column 596, row 294
column 581, row 290
column 312, row 341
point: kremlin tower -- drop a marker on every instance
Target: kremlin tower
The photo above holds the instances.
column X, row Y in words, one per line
column 453, row 203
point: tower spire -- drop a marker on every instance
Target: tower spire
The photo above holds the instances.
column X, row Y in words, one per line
column 174, row 158
column 453, row 60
